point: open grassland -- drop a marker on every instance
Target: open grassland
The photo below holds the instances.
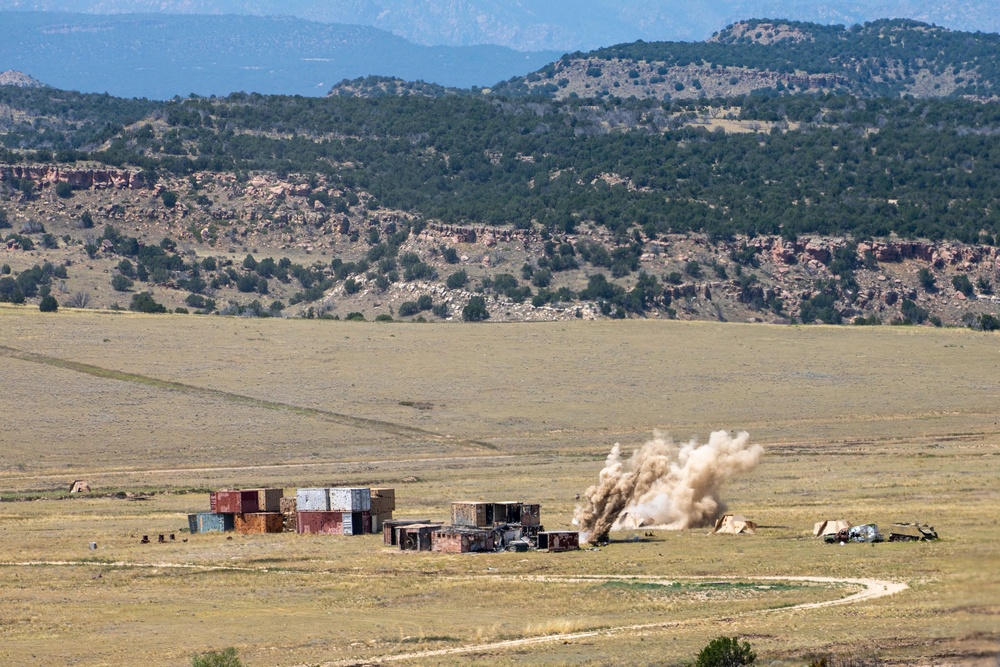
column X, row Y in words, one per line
column 870, row 424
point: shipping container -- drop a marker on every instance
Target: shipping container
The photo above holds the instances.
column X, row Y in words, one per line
column 236, row 502
column 386, row 496
column 210, row 522
column 382, row 505
column 378, row 519
column 287, row 507
column 471, row 514
column 454, row 540
column 357, row 523
column 418, row 536
column 507, row 512
column 350, row 500
column 269, row 500
column 559, row 540
column 212, row 502
column 259, row 522
column 313, row 500
column 531, row 515
column 390, row 529
column 321, row 523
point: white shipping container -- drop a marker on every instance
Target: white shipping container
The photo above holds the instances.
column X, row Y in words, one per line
column 350, row 500
column 312, row 500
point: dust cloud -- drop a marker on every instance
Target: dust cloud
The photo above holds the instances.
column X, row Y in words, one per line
column 664, row 485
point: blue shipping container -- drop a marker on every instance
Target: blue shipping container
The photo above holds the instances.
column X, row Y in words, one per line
column 211, row 522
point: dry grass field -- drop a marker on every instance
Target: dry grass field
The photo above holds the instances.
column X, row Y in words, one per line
column 874, row 424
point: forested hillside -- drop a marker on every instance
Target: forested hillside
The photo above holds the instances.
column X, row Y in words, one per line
column 816, row 164
column 790, row 205
column 882, row 58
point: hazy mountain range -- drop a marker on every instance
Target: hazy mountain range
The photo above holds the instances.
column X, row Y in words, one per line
column 162, row 55
column 564, row 25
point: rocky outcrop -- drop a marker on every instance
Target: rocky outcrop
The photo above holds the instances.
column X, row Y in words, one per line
column 81, row 179
column 488, row 236
column 19, row 80
column 942, row 253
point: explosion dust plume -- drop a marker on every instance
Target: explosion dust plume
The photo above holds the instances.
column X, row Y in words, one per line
column 665, row 485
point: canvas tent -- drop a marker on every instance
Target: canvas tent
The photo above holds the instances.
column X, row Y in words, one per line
column 80, row 486
column 830, row 527
column 735, row 524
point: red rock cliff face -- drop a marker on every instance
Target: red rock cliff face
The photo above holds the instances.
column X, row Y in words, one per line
column 81, row 179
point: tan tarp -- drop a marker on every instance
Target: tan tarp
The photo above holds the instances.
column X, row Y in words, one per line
column 830, row 527
column 735, row 524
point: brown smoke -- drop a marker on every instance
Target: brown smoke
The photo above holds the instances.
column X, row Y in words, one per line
column 664, row 485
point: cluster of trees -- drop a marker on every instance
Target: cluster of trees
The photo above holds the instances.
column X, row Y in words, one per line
column 879, row 58
column 858, row 166
column 30, row 283
column 861, row 167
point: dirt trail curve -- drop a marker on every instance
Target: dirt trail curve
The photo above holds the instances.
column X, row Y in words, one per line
column 871, row 589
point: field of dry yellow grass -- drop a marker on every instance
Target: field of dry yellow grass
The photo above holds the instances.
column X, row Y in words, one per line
column 871, row 424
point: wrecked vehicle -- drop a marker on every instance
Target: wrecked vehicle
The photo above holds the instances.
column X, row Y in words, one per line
column 912, row 532
column 864, row 533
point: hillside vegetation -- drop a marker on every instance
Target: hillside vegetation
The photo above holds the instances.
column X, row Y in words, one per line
column 881, row 58
column 829, row 206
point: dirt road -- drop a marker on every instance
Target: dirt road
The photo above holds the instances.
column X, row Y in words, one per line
column 871, row 589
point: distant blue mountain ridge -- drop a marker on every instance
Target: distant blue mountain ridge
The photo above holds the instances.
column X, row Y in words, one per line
column 159, row 56
column 561, row 25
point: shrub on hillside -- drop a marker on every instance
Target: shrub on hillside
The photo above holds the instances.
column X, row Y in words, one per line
column 143, row 302
column 225, row 658
column 475, row 310
column 726, row 652
column 408, row 308
column 48, row 304
column 121, row 283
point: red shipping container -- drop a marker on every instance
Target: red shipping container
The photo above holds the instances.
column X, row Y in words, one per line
column 321, row 523
column 236, row 502
column 213, row 501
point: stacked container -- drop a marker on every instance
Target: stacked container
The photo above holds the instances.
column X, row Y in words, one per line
column 334, row 511
column 383, row 503
column 242, row 510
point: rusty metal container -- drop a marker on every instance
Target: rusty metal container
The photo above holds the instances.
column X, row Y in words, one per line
column 269, row 500
column 559, row 540
column 259, row 522
column 381, row 505
column 288, row 509
column 418, row 536
column 357, row 523
column 385, row 497
column 472, row 514
column 378, row 519
column 507, row 512
column 390, row 529
column 350, row 500
column 313, row 500
column 531, row 515
column 236, row 502
column 210, row 522
column 454, row 540
column 320, row 523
